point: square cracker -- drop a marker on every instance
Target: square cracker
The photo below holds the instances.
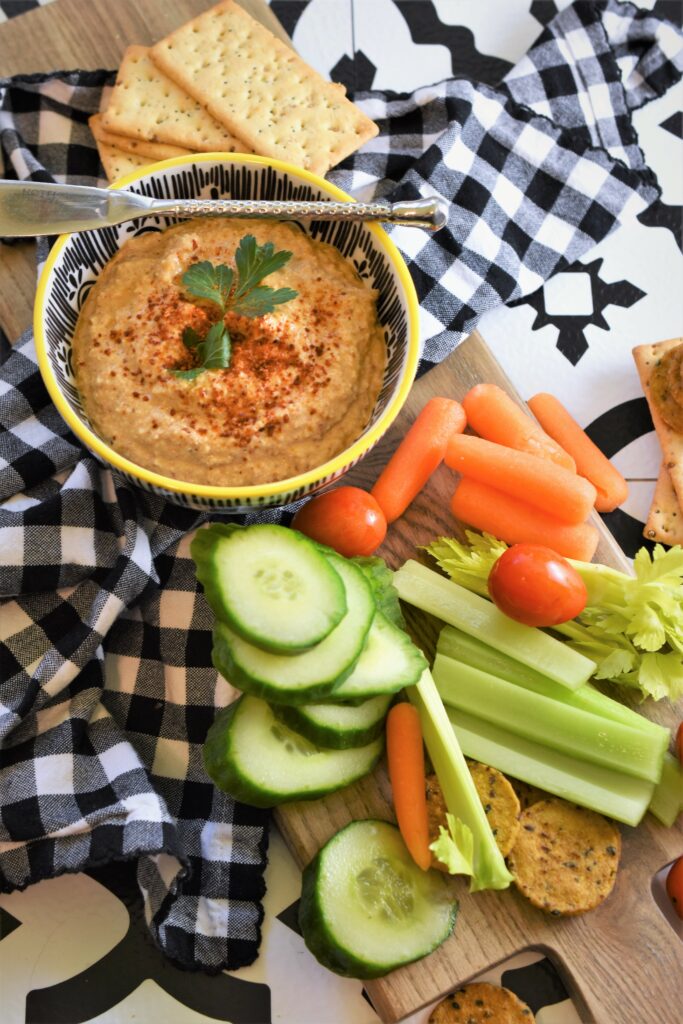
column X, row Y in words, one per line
column 150, row 150
column 262, row 90
column 117, row 163
column 145, row 104
column 646, row 357
column 665, row 519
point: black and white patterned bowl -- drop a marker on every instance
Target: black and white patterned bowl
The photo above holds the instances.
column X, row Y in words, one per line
column 77, row 259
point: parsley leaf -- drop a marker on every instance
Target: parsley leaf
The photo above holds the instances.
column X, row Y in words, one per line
column 248, row 298
column 254, row 262
column 215, row 350
column 205, row 281
column 261, row 300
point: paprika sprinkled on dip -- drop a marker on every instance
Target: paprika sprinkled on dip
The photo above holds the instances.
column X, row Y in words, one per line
column 197, row 390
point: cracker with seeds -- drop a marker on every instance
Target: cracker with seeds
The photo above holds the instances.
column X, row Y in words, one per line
column 481, row 1003
column 665, row 518
column 565, row 859
column 153, row 151
column 527, row 794
column 117, row 163
column 646, row 358
column 498, row 800
column 261, row 90
column 145, row 104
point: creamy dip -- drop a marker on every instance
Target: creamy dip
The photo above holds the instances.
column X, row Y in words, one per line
column 302, row 381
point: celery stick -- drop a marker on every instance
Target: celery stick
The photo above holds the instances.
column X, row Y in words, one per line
column 556, row 725
column 667, row 799
column 461, row 797
column 450, row 602
column 453, row 643
column 608, row 792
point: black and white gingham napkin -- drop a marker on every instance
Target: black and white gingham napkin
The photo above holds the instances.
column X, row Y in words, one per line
column 106, row 685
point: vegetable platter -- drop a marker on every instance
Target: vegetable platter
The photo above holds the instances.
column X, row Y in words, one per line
column 622, row 961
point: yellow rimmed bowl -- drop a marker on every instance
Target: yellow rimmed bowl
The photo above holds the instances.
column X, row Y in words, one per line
column 76, row 260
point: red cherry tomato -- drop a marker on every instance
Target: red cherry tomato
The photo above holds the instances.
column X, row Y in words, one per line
column 679, row 742
column 674, row 886
column 536, row 586
column 347, row 519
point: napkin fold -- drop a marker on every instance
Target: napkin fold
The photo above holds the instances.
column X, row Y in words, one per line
column 106, row 683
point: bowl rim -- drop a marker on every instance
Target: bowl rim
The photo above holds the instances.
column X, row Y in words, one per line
column 319, row 473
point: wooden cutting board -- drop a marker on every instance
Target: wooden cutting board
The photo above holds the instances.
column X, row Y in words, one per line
column 622, row 962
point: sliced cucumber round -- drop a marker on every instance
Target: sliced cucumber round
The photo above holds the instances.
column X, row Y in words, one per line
column 389, row 662
column 301, row 678
column 367, row 908
column 337, row 726
column 260, row 761
column 271, row 585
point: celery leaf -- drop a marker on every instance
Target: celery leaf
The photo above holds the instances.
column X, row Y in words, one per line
column 455, row 847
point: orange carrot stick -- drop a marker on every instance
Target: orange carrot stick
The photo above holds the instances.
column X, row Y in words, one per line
column 541, row 483
column 418, row 455
column 405, row 758
column 590, row 462
column 492, row 414
column 515, row 521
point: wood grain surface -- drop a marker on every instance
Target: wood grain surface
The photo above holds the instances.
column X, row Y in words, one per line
column 622, row 962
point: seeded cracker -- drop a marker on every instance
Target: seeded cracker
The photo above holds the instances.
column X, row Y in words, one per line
column 646, row 357
column 117, row 164
column 527, row 794
column 145, row 104
column 481, row 1003
column 261, row 90
column 152, row 151
column 498, row 800
column 565, row 859
column 665, row 518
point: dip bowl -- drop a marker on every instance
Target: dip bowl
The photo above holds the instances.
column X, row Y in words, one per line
column 76, row 260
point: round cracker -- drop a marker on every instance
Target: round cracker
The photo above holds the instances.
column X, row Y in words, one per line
column 527, row 794
column 500, row 804
column 565, row 859
column 481, row 1002
column 497, row 798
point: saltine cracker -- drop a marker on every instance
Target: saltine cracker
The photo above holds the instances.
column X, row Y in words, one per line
column 646, row 357
column 261, row 90
column 145, row 104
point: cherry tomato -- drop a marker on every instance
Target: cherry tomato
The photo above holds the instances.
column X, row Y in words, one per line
column 536, row 586
column 679, row 742
column 674, row 886
column 347, row 519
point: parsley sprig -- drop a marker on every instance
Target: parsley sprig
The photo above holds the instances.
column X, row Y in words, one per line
column 241, row 292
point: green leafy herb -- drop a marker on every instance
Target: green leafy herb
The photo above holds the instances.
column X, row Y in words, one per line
column 632, row 626
column 246, row 296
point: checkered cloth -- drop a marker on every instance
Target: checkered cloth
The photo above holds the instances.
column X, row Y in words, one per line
column 107, row 688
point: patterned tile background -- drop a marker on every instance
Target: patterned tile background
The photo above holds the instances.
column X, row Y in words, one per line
column 75, row 949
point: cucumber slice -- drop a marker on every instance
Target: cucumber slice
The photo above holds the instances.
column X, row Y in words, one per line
column 337, row 725
column 367, row 908
column 389, row 662
column 262, row 762
column 301, row 678
column 271, row 585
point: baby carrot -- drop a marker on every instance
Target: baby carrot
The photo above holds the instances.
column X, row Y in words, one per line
column 405, row 758
column 516, row 522
column 541, row 483
column 418, row 455
column 590, row 462
column 492, row 414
